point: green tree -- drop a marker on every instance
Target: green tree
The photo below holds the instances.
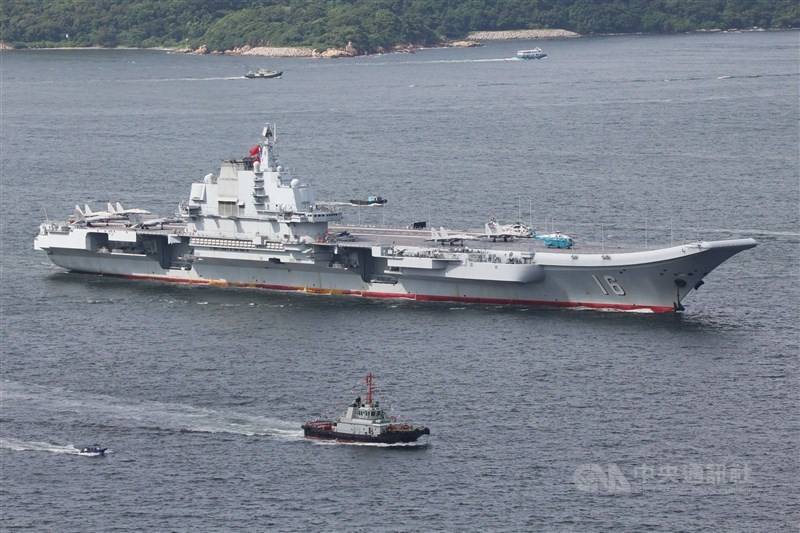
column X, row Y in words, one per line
column 369, row 24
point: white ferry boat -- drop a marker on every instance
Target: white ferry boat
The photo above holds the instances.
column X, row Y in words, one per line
column 535, row 53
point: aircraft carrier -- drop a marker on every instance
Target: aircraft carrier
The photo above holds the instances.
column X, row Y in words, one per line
column 253, row 225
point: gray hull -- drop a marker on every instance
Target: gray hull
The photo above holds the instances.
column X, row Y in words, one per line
column 657, row 286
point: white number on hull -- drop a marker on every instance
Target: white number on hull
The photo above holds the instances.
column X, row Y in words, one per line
column 616, row 288
column 599, row 284
column 612, row 283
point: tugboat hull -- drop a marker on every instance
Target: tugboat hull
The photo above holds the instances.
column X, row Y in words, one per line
column 389, row 437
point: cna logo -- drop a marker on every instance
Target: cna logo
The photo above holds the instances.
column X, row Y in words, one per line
column 594, row 478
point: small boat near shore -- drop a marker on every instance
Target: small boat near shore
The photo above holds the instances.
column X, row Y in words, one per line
column 535, row 53
column 364, row 421
column 263, row 74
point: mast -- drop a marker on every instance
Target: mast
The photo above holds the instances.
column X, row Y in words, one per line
column 370, row 381
column 268, row 159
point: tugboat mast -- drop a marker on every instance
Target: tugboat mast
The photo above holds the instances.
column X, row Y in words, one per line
column 370, row 380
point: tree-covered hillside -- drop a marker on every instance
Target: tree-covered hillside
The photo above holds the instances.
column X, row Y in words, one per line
column 369, row 24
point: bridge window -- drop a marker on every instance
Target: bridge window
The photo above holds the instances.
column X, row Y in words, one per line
column 228, row 209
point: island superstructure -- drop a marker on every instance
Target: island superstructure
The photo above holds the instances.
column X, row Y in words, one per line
column 254, row 225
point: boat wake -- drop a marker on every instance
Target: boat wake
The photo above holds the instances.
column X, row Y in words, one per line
column 437, row 61
column 485, row 60
column 707, row 78
column 109, row 411
column 754, row 76
column 8, row 443
column 210, row 78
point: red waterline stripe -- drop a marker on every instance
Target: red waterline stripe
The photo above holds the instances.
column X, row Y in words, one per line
column 402, row 296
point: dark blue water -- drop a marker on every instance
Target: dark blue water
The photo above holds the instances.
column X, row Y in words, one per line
column 540, row 419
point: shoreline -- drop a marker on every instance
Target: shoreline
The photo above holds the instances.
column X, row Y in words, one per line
column 44, row 48
column 473, row 39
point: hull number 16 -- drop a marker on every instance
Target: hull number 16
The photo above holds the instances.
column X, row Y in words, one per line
column 612, row 284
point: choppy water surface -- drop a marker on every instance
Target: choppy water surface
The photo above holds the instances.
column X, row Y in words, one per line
column 541, row 420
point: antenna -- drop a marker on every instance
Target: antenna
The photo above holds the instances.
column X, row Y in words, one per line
column 530, row 213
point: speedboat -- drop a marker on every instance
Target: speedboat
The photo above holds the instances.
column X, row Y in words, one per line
column 371, row 200
column 263, row 73
column 364, row 421
column 535, row 53
column 92, row 451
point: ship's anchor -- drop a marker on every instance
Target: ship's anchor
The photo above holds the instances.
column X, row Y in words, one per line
column 677, row 304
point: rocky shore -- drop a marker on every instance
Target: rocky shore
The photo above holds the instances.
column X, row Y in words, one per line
column 279, row 51
column 462, row 44
column 272, row 51
column 520, row 34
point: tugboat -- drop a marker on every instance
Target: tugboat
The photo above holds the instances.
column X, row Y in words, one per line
column 364, row 421
column 92, row 451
